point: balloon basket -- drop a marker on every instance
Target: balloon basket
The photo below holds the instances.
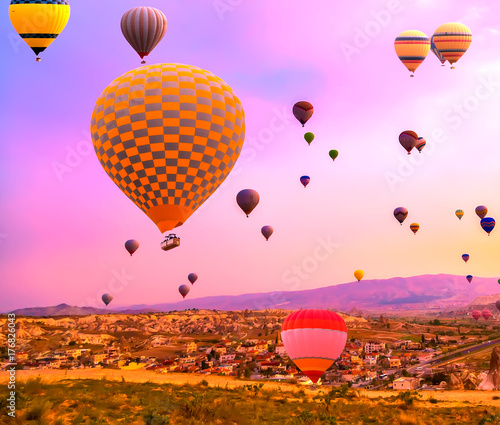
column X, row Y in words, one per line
column 171, row 241
column 38, row 59
column 411, row 76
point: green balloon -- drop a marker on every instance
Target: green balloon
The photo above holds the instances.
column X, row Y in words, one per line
column 309, row 137
column 333, row 154
column 499, row 281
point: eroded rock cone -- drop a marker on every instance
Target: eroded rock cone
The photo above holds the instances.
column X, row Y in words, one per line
column 456, row 382
column 492, row 381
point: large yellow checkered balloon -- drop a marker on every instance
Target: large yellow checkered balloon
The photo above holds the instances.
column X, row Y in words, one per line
column 168, row 135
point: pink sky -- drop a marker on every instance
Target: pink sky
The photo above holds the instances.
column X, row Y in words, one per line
column 62, row 233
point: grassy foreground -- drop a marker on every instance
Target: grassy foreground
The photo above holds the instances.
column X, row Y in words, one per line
column 102, row 401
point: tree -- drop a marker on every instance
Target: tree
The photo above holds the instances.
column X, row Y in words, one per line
column 71, row 343
column 248, row 372
column 423, row 339
column 405, row 373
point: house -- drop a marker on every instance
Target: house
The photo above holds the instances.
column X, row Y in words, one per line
column 280, row 349
column 98, row 357
column 190, row 347
column 425, row 358
column 394, row 362
column 370, row 362
column 219, row 348
column 410, row 345
column 21, row 355
column 269, row 365
column 356, row 360
column 405, row 384
column 372, row 346
column 226, row 358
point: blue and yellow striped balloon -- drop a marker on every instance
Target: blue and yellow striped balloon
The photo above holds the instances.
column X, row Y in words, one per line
column 452, row 40
column 412, row 47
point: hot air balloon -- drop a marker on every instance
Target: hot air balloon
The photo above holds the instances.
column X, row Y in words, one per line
column 247, row 199
column 488, row 224
column 476, row 314
column 267, row 231
column 408, row 140
column 358, row 274
column 309, row 137
column 192, row 277
column 184, row 290
column 131, row 246
column 486, row 314
column 469, row 278
column 143, row 27
column 412, row 48
column 497, row 305
column 465, row 257
column 107, row 298
column 313, row 340
column 39, row 22
column 305, row 180
column 420, row 144
column 168, row 135
column 481, row 211
column 499, row 281
column 400, row 213
column 333, row 154
column 414, row 227
column 302, row 111
column 452, row 40
column 459, row 214
column 436, row 52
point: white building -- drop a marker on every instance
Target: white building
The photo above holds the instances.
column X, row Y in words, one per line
column 372, row 346
column 405, row 384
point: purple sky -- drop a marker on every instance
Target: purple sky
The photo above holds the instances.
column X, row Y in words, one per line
column 63, row 222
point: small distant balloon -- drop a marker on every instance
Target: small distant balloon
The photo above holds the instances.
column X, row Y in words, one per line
column 488, row 224
column 400, row 213
column 486, row 314
column 414, row 227
column 192, row 277
column 420, row 144
column 267, row 231
column 469, row 278
column 184, row 290
column 436, row 52
column 481, row 211
column 359, row 274
column 309, row 137
column 465, row 257
column 131, row 246
column 333, row 154
column 476, row 314
column 107, row 298
column 305, row 180
column 302, row 111
column 408, row 139
column 459, row 214
column 247, row 200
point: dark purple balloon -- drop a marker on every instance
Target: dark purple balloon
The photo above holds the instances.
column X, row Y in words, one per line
column 131, row 246
column 192, row 277
column 247, row 200
column 107, row 298
column 267, row 231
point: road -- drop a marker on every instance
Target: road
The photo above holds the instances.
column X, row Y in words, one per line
column 454, row 354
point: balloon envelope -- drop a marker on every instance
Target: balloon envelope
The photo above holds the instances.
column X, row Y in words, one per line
column 131, row 246
column 333, row 154
column 184, row 290
column 267, row 231
column 39, row 22
column 247, row 199
column 465, row 257
column 153, row 139
column 459, row 214
column 436, row 52
column 192, row 277
column 486, row 314
column 358, row 274
column 400, row 213
column 305, row 180
column 476, row 314
column 302, row 111
column 313, row 339
column 420, row 144
column 488, row 224
column 414, row 227
column 469, row 278
column 309, row 137
column 481, row 211
column 143, row 27
column 408, row 140
column 452, row 40
column 412, row 48
column 107, row 298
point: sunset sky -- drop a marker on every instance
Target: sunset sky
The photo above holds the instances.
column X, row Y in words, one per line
column 63, row 222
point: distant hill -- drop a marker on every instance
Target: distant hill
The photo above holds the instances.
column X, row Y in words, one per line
column 415, row 292
column 418, row 292
column 60, row 310
column 486, row 301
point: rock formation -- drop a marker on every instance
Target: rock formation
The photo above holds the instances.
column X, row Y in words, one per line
column 492, row 380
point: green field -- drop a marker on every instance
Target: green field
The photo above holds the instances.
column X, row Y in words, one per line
column 108, row 402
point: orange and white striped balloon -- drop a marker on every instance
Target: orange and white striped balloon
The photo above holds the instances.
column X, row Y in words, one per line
column 412, row 47
column 313, row 339
column 452, row 40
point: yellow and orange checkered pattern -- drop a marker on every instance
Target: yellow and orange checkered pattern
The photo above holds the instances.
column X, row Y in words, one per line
column 168, row 135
